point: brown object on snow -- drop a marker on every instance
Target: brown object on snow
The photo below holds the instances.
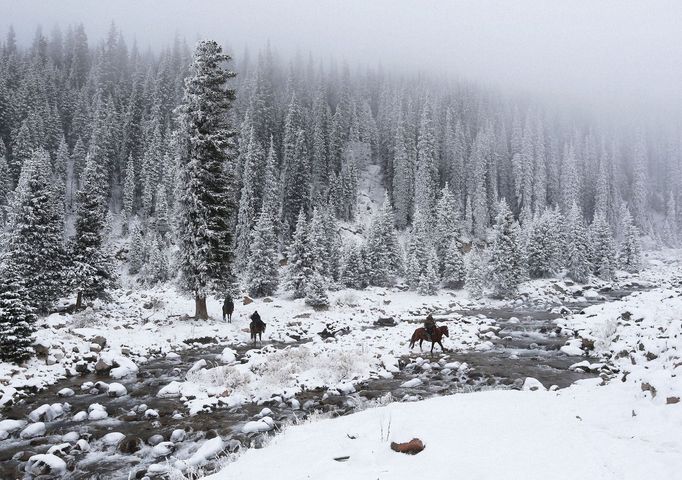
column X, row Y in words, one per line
column 412, row 447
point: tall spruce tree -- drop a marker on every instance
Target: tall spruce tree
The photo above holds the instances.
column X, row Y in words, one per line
column 206, row 202
column 262, row 275
column 506, row 269
column 300, row 260
column 17, row 318
column 578, row 247
column 630, row 252
column 603, row 248
column 36, row 244
column 93, row 270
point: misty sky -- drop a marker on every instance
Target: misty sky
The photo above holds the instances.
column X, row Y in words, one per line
column 615, row 55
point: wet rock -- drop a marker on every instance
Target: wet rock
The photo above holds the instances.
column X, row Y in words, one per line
column 66, row 392
column 130, row 444
column 210, row 434
column 41, row 348
column 82, row 446
column 672, row 400
column 94, row 347
column 178, row 435
column 155, row 439
column 163, row 449
column 61, row 449
column 113, row 438
column 233, row 445
column 267, row 300
column 412, row 447
column 23, row 455
column 247, row 300
column 647, row 387
column 385, row 322
column 103, row 366
column 151, row 413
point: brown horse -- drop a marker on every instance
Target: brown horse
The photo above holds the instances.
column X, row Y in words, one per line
column 257, row 329
column 421, row 335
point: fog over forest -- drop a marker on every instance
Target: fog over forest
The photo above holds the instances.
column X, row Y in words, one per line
column 612, row 57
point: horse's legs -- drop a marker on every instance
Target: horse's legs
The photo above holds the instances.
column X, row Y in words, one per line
column 421, row 340
column 441, row 346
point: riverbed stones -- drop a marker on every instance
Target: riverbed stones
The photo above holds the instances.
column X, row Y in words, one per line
column 178, row 435
column 33, row 430
column 130, row 444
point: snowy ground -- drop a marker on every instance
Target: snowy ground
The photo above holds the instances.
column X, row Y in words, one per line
column 623, row 427
column 581, row 432
column 143, row 324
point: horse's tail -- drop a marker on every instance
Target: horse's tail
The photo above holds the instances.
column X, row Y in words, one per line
column 415, row 337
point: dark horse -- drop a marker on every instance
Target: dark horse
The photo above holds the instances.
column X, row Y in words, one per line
column 228, row 308
column 257, row 329
column 421, row 335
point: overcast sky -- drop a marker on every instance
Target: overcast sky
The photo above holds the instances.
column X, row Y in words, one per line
column 617, row 55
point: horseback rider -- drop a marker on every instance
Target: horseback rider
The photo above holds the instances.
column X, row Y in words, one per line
column 430, row 325
column 256, row 320
column 228, row 307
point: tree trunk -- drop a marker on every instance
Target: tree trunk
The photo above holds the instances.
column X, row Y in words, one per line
column 201, row 311
column 79, row 301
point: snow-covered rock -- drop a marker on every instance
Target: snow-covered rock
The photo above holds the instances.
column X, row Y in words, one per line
column 46, row 464
column 12, row 425
column 533, row 384
column 265, row 424
column 415, row 382
column 66, row 392
column 112, row 438
column 97, row 412
column 33, row 430
column 228, row 355
column 117, row 390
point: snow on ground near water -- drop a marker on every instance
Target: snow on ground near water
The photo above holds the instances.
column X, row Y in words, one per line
column 626, row 429
column 138, row 324
column 581, row 432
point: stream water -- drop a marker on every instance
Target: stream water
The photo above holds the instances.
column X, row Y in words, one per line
column 527, row 347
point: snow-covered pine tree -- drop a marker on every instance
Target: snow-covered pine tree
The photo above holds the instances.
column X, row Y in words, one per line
column 136, row 249
column 427, row 166
column 639, row 184
column 157, row 267
column 16, row 318
column 476, row 264
column 544, row 251
column 429, row 280
column 349, row 185
column 630, row 254
column 128, row 195
column 5, row 185
column 418, row 250
column 454, row 272
column 300, row 268
column 262, row 274
column 578, row 248
column 316, row 292
column 603, row 248
column 206, row 205
column 383, row 249
column 403, row 178
column 35, row 249
column 448, row 227
column 93, row 270
column 248, row 202
column 506, row 270
column 669, row 232
column 161, row 221
column 272, row 204
column 354, row 269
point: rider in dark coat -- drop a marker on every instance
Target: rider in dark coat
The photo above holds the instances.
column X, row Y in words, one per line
column 228, row 306
column 430, row 325
column 255, row 318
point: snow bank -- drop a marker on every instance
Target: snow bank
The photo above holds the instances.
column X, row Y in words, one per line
column 580, row 432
